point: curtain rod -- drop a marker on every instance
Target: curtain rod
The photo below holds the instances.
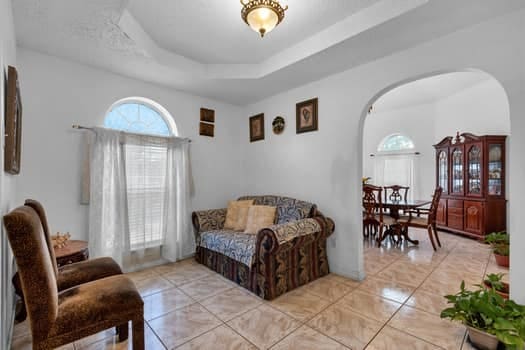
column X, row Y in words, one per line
column 395, row 154
column 80, row 127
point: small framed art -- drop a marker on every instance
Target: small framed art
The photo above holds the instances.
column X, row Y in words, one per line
column 207, row 115
column 257, row 127
column 306, row 116
column 206, row 129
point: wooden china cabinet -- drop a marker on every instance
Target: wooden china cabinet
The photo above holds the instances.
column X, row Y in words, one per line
column 471, row 171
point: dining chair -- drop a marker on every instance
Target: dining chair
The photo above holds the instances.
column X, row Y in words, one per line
column 396, row 193
column 374, row 219
column 70, row 275
column 428, row 221
column 57, row 318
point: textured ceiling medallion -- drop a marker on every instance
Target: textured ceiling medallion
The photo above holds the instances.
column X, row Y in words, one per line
column 262, row 15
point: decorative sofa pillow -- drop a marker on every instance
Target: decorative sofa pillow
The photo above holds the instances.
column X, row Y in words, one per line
column 291, row 212
column 259, row 217
column 237, row 215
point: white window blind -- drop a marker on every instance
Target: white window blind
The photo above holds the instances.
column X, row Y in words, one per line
column 395, row 170
column 146, row 190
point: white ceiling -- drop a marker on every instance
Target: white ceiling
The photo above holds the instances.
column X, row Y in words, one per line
column 429, row 90
column 223, row 37
column 206, row 49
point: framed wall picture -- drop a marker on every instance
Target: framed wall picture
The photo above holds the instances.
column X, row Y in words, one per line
column 13, row 123
column 306, row 116
column 257, row 127
column 207, row 115
column 206, row 129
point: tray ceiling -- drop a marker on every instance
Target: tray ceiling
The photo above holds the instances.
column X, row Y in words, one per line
column 213, row 32
column 203, row 47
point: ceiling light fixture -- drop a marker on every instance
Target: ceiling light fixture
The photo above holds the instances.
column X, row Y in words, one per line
column 262, row 15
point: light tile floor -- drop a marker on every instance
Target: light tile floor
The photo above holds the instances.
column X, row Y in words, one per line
column 188, row 306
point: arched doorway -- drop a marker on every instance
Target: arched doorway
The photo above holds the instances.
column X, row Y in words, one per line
column 426, row 109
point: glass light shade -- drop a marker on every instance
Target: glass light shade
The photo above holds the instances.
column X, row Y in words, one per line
column 262, row 20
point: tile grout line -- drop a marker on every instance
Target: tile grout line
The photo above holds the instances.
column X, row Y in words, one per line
column 189, row 340
column 404, row 303
column 155, row 334
column 195, row 301
column 437, row 266
column 225, row 323
column 305, row 323
column 331, row 303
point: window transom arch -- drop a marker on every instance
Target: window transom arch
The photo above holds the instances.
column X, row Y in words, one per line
column 140, row 115
column 396, row 143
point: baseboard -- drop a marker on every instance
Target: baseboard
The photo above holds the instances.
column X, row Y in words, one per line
column 349, row 273
column 11, row 324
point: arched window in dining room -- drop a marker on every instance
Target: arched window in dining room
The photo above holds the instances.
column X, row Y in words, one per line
column 396, row 143
column 395, row 162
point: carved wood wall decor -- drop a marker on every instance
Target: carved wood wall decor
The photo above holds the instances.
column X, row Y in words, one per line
column 13, row 123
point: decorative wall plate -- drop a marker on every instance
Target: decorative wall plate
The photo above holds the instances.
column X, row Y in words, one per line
column 278, row 125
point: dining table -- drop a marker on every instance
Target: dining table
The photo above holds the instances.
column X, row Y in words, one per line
column 396, row 231
column 395, row 206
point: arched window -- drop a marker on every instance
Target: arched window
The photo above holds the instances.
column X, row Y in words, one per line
column 394, row 164
column 396, row 143
column 140, row 115
column 145, row 164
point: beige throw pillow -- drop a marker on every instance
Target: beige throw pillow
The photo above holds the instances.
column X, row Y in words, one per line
column 259, row 217
column 237, row 214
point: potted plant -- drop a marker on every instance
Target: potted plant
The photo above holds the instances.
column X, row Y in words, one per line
column 494, row 281
column 490, row 319
column 500, row 242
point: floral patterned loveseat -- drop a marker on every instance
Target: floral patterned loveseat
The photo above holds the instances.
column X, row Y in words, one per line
column 279, row 258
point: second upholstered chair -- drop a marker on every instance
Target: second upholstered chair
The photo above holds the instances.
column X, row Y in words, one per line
column 61, row 318
column 69, row 275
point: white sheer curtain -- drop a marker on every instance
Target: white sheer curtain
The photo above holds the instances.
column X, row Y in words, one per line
column 108, row 233
column 179, row 240
column 396, row 170
column 139, row 197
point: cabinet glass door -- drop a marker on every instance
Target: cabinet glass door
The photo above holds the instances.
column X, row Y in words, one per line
column 457, row 171
column 495, row 170
column 443, row 171
column 474, row 170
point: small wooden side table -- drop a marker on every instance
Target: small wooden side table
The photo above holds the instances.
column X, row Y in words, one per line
column 74, row 251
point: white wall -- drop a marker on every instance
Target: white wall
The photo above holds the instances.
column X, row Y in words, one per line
column 481, row 109
column 7, row 182
column 59, row 93
column 416, row 122
column 326, row 166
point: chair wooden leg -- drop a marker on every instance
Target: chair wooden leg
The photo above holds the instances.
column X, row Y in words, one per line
column 380, row 237
column 429, row 228
column 122, row 331
column 138, row 334
column 436, row 234
column 21, row 315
